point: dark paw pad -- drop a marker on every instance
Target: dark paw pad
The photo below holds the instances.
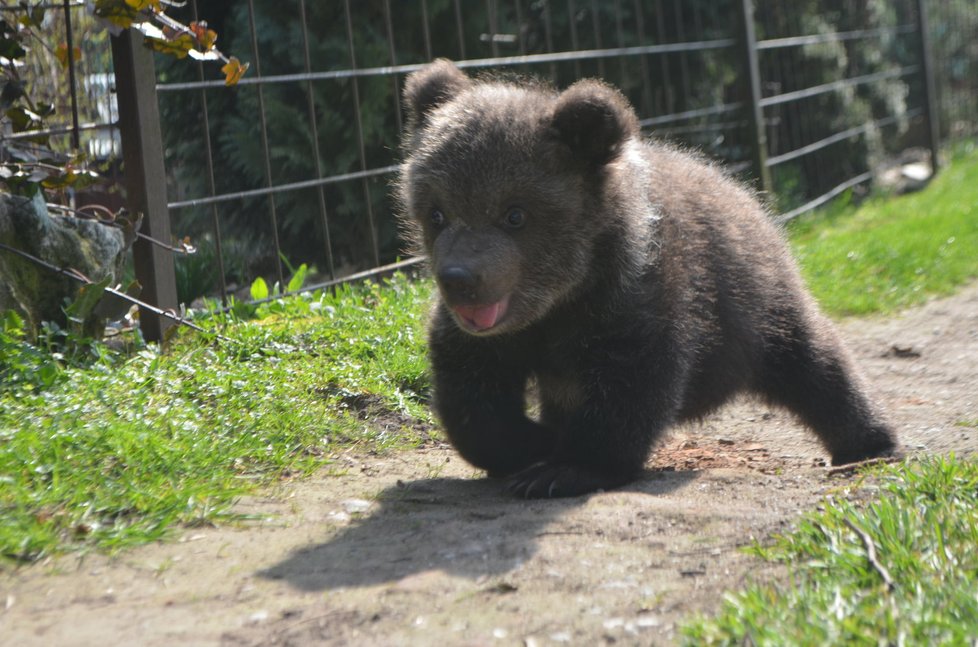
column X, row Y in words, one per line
column 884, row 450
column 550, row 480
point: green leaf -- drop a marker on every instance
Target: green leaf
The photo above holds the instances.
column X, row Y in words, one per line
column 298, row 279
column 178, row 46
column 13, row 324
column 87, row 299
column 48, row 373
column 241, row 310
column 114, row 307
column 259, row 289
column 9, row 45
column 23, row 119
column 118, row 13
column 12, row 91
column 37, row 16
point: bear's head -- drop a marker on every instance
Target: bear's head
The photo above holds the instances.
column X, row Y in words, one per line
column 508, row 188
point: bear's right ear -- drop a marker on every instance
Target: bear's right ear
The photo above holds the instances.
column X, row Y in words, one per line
column 430, row 87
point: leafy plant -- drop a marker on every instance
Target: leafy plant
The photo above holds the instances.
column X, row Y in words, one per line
column 167, row 35
column 23, row 367
column 26, row 168
column 29, row 164
column 898, row 570
column 260, row 291
column 120, row 450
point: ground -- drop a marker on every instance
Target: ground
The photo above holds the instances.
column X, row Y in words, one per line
column 415, row 548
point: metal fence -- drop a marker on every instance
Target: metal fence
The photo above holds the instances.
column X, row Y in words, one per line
column 293, row 165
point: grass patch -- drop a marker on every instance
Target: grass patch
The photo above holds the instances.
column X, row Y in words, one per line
column 104, row 449
column 903, row 568
column 893, row 252
column 117, row 451
column 923, row 530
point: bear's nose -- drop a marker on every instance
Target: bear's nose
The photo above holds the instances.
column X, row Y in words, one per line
column 458, row 283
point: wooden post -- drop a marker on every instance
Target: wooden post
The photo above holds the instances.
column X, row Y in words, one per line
column 755, row 113
column 145, row 176
column 927, row 81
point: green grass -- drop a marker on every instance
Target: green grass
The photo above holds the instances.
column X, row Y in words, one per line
column 105, row 449
column 918, row 589
column 117, row 452
column 893, row 252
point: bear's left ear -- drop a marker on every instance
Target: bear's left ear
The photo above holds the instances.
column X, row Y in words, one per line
column 594, row 120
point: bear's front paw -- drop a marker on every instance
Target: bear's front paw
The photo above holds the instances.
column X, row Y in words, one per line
column 551, row 480
column 878, row 445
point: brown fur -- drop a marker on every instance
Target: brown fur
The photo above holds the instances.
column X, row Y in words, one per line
column 635, row 283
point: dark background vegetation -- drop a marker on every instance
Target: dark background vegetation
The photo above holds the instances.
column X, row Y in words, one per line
column 676, row 83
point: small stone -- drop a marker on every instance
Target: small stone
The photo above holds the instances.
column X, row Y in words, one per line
column 354, row 506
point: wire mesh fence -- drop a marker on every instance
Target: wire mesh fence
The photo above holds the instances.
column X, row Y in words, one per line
column 309, row 142
column 294, row 164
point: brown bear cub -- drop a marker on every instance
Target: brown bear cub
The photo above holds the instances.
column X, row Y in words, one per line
column 635, row 284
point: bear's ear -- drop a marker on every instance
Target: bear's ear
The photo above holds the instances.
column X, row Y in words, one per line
column 431, row 86
column 594, row 120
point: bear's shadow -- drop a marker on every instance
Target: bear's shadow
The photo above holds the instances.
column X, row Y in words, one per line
column 471, row 528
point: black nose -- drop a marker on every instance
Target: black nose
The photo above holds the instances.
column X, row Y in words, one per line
column 458, row 283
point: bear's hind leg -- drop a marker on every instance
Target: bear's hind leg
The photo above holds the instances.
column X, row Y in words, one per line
column 810, row 374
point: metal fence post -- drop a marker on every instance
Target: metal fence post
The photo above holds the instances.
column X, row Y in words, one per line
column 927, row 80
column 142, row 157
column 755, row 113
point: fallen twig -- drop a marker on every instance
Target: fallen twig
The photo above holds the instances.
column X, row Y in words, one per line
column 871, row 554
column 852, row 467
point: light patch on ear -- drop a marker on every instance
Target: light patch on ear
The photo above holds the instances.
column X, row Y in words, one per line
column 594, row 120
column 430, row 87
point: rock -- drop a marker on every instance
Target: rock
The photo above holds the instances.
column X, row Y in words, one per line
column 37, row 293
column 910, row 171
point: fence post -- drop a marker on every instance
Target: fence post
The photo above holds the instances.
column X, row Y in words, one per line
column 755, row 113
column 927, row 80
column 142, row 158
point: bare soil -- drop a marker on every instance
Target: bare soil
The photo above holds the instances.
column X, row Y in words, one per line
column 416, row 548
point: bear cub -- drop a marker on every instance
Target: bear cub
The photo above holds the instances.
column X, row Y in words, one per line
column 634, row 284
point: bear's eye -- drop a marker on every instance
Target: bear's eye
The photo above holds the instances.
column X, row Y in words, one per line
column 515, row 218
column 437, row 217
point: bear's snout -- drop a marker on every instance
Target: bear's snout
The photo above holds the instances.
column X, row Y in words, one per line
column 459, row 284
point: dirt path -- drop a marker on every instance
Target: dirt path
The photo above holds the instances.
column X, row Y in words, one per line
column 416, row 549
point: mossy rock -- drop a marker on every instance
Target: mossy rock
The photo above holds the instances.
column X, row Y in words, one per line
column 37, row 293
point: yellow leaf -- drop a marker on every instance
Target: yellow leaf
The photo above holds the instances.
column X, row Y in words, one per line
column 233, row 71
column 208, row 39
column 118, row 12
column 62, row 54
column 205, row 37
column 178, row 46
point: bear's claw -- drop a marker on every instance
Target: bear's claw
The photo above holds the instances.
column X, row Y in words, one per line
column 552, row 480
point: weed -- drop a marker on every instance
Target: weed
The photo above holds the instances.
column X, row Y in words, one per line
column 898, row 570
column 107, row 450
column 117, row 450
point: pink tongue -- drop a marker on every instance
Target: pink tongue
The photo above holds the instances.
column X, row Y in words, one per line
column 480, row 317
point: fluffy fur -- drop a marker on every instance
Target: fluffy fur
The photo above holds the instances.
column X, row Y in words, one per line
column 635, row 284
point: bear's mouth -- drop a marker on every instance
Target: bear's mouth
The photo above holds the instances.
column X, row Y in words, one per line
column 480, row 318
